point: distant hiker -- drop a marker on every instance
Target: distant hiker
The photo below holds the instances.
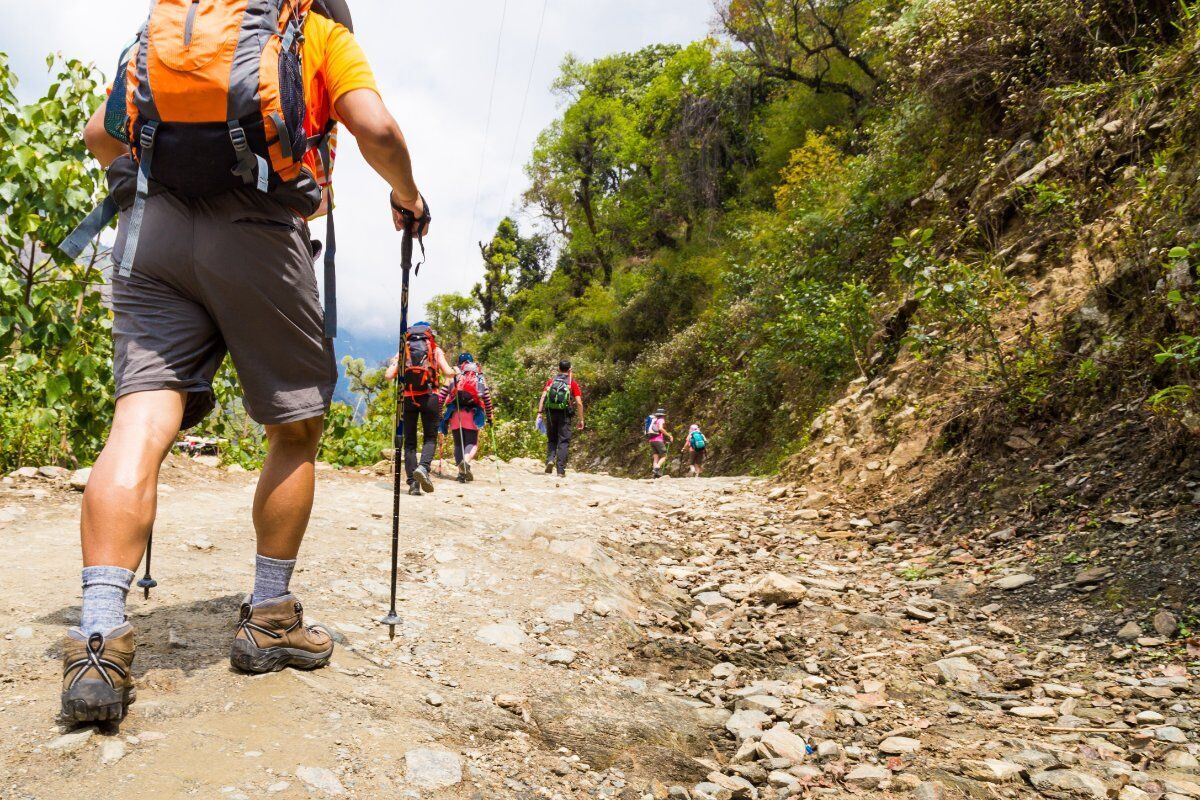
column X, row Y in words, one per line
column 424, row 367
column 696, row 447
column 658, row 436
column 468, row 403
column 561, row 401
column 230, row 110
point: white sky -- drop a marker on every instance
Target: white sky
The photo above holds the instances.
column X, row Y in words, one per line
column 434, row 64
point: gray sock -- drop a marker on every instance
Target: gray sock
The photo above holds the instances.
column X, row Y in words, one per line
column 104, row 591
column 271, row 578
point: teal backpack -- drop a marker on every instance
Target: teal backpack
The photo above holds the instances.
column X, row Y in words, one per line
column 697, row 440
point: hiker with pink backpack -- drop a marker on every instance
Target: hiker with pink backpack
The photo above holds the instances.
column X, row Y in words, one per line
column 468, row 408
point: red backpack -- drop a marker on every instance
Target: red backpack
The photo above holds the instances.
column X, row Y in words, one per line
column 467, row 390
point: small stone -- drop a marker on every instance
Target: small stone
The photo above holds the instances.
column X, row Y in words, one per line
column 175, row 641
column 74, row 740
column 112, row 750
column 506, row 636
column 1170, row 734
column 920, row 614
column 713, row 600
column 777, row 589
column 868, row 776
column 80, row 478
column 564, row 612
column 1181, row 760
column 561, row 656
column 746, row 724
column 434, row 699
column 992, row 770
column 956, row 671
column 426, row 768
column 1034, row 712
column 1131, row 792
column 1093, row 576
column 1150, row 718
column 928, row 790
column 1011, row 582
column 1069, row 782
column 24, row 632
column 899, row 745
column 1129, row 631
column 782, row 742
column 1165, row 624
column 201, row 543
column 278, row 786
column 24, row 472
column 320, row 779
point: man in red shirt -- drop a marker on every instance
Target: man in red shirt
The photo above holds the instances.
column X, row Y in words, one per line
column 561, row 400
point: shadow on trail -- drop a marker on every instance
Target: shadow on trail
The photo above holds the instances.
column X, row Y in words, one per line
column 203, row 630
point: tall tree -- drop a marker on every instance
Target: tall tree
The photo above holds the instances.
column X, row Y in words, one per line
column 816, row 43
column 500, row 265
column 450, row 315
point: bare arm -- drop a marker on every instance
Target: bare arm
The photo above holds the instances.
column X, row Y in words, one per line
column 542, row 402
column 579, row 408
column 383, row 146
column 104, row 147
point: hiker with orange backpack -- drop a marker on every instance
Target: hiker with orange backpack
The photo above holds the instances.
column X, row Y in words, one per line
column 468, row 403
column 218, row 141
column 424, row 367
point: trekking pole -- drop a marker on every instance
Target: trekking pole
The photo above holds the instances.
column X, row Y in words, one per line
column 491, row 426
column 147, row 583
column 406, row 253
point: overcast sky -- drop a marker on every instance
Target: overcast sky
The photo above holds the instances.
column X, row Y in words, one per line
column 434, row 64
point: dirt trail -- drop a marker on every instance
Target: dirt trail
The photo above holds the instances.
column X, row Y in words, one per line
column 578, row 639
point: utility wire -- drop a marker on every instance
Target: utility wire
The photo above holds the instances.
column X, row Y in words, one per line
column 486, row 130
column 524, row 105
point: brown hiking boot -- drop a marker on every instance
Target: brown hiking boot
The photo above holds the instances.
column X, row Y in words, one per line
column 272, row 635
column 97, row 682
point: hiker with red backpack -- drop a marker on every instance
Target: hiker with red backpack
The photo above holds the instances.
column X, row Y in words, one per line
column 218, row 139
column 468, row 403
column 424, row 367
column 560, row 403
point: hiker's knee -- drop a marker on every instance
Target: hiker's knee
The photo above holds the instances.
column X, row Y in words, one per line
column 145, row 423
column 303, row 435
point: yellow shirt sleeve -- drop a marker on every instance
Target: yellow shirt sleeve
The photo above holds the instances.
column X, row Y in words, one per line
column 346, row 67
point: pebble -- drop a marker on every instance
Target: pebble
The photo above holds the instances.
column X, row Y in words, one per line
column 1011, row 582
column 561, row 656
column 1130, row 631
column 868, row 776
column 1069, row 782
column 780, row 741
column 427, row 768
column 320, row 779
column 112, row 750
column 506, row 636
column 899, row 745
column 69, row 742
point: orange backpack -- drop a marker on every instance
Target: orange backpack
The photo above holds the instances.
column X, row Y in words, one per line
column 210, row 97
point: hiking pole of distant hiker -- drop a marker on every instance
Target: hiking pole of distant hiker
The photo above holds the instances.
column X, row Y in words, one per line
column 406, row 253
column 147, row 583
column 491, row 426
column 462, row 448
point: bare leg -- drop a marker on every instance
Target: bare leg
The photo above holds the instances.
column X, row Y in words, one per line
column 284, row 497
column 122, row 494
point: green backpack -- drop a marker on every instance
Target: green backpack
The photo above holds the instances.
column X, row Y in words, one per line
column 558, row 396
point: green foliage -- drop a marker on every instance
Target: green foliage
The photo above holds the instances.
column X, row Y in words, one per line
column 959, row 303
column 55, row 351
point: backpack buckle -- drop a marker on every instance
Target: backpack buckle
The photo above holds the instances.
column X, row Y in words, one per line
column 146, row 139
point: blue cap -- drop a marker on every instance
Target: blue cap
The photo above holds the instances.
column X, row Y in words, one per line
column 466, row 358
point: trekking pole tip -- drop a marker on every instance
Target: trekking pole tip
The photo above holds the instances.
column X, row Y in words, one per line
column 391, row 620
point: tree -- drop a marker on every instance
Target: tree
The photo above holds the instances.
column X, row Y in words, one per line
column 816, row 43
column 55, row 351
column 500, row 265
column 450, row 315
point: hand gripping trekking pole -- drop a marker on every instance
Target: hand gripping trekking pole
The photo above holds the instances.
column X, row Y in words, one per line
column 412, row 226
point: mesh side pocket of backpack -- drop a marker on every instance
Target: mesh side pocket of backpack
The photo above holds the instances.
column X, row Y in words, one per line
column 291, row 98
column 116, row 114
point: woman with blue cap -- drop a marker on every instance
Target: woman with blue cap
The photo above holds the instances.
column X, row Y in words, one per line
column 468, row 403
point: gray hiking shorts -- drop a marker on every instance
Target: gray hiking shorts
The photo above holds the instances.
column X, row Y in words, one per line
column 231, row 273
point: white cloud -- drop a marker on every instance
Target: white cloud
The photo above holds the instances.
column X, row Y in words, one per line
column 434, row 64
